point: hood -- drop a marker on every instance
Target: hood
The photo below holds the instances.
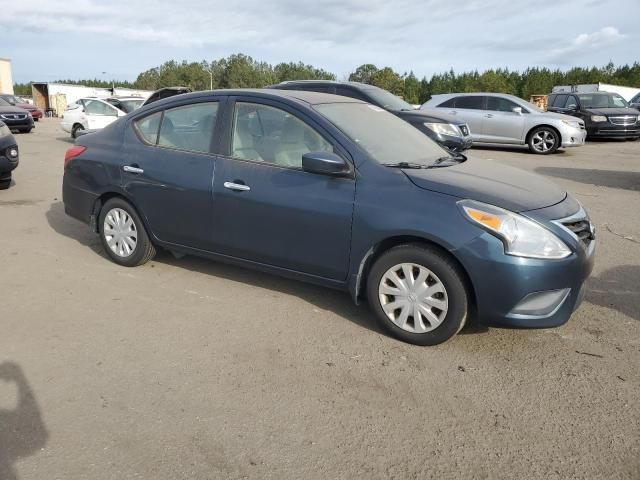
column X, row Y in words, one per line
column 428, row 115
column 12, row 109
column 490, row 182
column 26, row 106
column 611, row 111
column 559, row 116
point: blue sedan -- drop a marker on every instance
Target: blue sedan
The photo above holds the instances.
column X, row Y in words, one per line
column 341, row 193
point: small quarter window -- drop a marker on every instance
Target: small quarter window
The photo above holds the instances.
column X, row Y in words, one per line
column 148, row 127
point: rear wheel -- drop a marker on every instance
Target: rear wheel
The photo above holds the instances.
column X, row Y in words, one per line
column 123, row 235
column 76, row 128
column 417, row 294
column 543, row 141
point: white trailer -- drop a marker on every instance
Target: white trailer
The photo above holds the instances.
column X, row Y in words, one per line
column 54, row 97
column 625, row 92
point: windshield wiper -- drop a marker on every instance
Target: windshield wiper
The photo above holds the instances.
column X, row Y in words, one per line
column 446, row 161
column 405, row 165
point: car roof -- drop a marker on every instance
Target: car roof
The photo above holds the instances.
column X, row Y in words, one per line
column 326, row 82
column 298, row 96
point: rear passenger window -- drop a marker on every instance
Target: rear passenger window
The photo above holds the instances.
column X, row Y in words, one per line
column 148, row 127
column 189, row 127
column 449, row 103
column 470, row 102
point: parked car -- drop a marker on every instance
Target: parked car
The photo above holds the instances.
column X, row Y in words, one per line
column 8, row 156
column 126, row 104
column 15, row 101
column 165, row 93
column 496, row 118
column 340, row 193
column 446, row 130
column 89, row 114
column 606, row 115
column 635, row 102
column 16, row 118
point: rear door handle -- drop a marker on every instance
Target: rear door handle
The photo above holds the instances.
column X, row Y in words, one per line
column 489, row 115
column 237, row 187
column 130, row 169
column 453, row 112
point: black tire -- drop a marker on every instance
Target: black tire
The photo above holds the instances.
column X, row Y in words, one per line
column 5, row 180
column 539, row 141
column 446, row 271
column 144, row 250
column 75, row 129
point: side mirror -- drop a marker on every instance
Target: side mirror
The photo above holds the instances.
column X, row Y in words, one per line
column 324, row 163
column 517, row 110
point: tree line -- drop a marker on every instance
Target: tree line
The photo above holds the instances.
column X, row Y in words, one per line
column 242, row 71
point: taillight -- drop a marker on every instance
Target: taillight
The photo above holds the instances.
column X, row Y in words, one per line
column 72, row 153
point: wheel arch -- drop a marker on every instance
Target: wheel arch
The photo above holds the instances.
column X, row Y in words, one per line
column 547, row 125
column 104, row 198
column 388, row 243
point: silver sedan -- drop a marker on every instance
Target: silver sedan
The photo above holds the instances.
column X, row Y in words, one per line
column 496, row 118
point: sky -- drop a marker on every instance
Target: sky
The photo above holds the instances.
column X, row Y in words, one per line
column 60, row 39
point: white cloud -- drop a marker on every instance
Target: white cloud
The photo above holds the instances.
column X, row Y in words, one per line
column 588, row 42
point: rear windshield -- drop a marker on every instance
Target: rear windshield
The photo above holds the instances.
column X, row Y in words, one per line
column 610, row 100
column 382, row 135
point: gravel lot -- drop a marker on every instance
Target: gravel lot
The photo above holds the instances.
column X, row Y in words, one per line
column 189, row 369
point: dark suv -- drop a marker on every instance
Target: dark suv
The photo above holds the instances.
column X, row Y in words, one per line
column 8, row 156
column 444, row 129
column 605, row 114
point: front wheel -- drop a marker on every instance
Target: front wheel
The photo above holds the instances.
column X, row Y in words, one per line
column 417, row 294
column 123, row 235
column 543, row 141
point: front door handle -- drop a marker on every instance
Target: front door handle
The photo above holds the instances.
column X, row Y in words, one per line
column 237, row 187
column 489, row 115
column 131, row 169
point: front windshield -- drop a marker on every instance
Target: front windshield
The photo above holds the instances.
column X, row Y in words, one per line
column 530, row 106
column 13, row 98
column 387, row 99
column 4, row 103
column 609, row 100
column 382, row 135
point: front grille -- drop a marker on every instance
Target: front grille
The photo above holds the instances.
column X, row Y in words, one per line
column 13, row 116
column 464, row 129
column 580, row 227
column 624, row 119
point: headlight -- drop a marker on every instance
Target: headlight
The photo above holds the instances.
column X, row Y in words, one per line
column 443, row 129
column 521, row 237
column 598, row 118
column 4, row 131
column 572, row 123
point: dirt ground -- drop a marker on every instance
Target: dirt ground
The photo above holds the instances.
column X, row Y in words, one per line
column 189, row 369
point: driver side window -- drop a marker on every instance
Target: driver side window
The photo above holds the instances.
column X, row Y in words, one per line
column 267, row 134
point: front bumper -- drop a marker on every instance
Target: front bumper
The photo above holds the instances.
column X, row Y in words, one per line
column 609, row 130
column 19, row 124
column 456, row 144
column 7, row 161
column 503, row 283
column 573, row 137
